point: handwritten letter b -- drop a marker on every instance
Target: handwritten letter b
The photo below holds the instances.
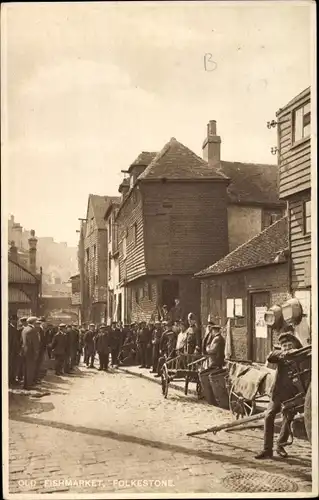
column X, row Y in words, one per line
column 209, row 64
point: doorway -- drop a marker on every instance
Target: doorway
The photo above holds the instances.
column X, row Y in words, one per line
column 260, row 333
column 119, row 307
column 170, row 291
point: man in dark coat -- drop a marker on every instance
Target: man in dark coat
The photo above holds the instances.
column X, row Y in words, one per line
column 115, row 343
column 167, row 345
column 59, row 348
column 177, row 312
column 193, row 337
column 214, row 346
column 74, row 345
column 89, row 347
column 30, row 349
column 143, row 340
column 283, row 389
column 156, row 339
column 102, row 347
column 39, row 370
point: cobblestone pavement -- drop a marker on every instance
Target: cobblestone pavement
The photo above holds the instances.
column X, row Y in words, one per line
column 115, row 429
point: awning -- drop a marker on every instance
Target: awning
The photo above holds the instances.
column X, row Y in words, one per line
column 18, row 296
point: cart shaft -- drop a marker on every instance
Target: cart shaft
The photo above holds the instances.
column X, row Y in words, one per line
column 237, row 423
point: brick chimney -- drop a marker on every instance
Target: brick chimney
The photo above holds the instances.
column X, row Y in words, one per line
column 13, row 252
column 33, row 252
column 124, row 187
column 211, row 145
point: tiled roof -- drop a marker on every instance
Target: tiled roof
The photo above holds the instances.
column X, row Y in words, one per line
column 176, row 161
column 17, row 273
column 252, row 182
column 143, row 159
column 100, row 204
column 261, row 250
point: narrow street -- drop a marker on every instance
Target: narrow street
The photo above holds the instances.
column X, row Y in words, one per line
column 112, row 432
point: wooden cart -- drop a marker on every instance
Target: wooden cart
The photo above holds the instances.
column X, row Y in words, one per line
column 248, row 386
column 243, row 406
column 182, row 367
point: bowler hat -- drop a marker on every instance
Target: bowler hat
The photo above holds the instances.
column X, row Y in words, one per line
column 103, row 326
column 290, row 337
column 62, row 325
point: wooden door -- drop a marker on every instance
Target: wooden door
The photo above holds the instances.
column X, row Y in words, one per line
column 260, row 336
column 170, row 292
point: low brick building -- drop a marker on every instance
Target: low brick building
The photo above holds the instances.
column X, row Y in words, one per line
column 242, row 284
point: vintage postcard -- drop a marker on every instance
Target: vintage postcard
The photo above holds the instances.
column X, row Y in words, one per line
column 159, row 243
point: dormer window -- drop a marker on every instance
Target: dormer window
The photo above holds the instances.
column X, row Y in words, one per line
column 301, row 123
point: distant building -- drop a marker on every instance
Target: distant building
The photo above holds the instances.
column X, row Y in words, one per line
column 24, row 284
column 93, row 260
column 115, row 310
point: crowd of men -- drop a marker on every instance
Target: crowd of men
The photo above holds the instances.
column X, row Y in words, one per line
column 146, row 344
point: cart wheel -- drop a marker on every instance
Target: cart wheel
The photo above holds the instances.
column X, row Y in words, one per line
column 165, row 381
column 239, row 406
column 186, row 385
column 307, row 413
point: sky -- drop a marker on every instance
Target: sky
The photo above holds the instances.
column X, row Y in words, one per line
column 87, row 86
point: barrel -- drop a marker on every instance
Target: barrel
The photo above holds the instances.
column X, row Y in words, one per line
column 218, row 385
column 206, row 386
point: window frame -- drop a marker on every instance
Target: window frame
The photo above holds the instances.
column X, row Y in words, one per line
column 306, row 217
column 295, row 141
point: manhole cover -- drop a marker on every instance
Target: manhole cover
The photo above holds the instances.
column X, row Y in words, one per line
column 256, row 482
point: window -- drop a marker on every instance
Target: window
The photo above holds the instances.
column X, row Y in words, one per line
column 274, row 218
column 135, row 234
column 307, row 217
column 301, row 123
column 131, row 181
column 94, row 251
column 234, row 308
column 87, row 254
column 137, row 296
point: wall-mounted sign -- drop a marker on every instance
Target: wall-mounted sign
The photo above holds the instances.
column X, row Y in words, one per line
column 261, row 329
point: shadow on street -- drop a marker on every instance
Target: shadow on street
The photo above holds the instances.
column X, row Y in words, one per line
column 273, row 466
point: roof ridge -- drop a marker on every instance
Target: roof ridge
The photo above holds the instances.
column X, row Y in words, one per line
column 247, row 163
column 233, row 252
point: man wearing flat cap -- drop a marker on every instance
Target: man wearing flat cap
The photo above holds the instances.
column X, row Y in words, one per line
column 282, row 390
column 59, row 348
column 89, row 346
column 30, row 349
column 214, row 345
column 102, row 347
column 193, row 338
